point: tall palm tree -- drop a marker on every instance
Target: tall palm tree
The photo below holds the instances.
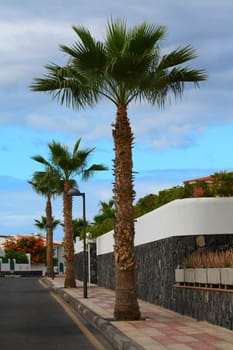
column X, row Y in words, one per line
column 46, row 183
column 69, row 165
column 125, row 67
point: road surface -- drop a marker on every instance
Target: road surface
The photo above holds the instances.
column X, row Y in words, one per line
column 32, row 318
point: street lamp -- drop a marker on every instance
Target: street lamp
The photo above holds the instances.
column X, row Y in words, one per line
column 72, row 193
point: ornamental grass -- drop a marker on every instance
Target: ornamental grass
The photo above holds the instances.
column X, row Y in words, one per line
column 216, row 259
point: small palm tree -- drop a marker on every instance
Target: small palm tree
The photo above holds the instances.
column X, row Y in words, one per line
column 42, row 223
column 69, row 165
column 78, row 225
column 46, row 183
column 124, row 68
column 104, row 221
column 106, row 211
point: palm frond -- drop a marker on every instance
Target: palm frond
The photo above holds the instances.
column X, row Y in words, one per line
column 88, row 57
column 85, row 36
column 48, row 180
column 116, row 36
column 159, row 84
column 42, row 160
column 186, row 74
column 60, row 157
column 66, row 85
column 129, row 62
column 88, row 60
column 76, row 146
column 125, row 66
column 144, row 38
column 90, row 171
column 177, row 57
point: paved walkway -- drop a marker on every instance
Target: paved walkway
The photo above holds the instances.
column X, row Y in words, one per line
column 160, row 328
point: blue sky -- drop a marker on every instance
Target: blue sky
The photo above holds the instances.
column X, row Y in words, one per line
column 187, row 139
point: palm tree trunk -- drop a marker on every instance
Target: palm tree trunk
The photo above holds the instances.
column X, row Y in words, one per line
column 69, row 239
column 126, row 305
column 49, row 230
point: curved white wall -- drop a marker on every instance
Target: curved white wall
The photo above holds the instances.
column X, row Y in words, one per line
column 182, row 217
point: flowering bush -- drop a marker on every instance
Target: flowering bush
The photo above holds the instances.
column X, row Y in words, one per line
column 219, row 258
column 34, row 245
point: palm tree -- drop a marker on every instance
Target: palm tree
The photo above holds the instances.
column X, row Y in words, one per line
column 124, row 68
column 104, row 221
column 78, row 225
column 46, row 183
column 42, row 223
column 106, row 211
column 69, row 165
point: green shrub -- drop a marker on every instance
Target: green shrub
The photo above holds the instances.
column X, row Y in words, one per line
column 5, row 260
column 19, row 256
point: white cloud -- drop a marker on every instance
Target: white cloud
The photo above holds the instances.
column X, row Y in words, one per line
column 32, row 40
column 30, row 36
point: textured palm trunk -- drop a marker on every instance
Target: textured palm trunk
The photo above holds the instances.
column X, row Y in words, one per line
column 126, row 305
column 49, row 230
column 68, row 240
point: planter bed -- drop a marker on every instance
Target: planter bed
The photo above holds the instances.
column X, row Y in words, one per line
column 211, row 277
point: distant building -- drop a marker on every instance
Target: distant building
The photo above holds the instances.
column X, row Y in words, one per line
column 198, row 190
column 58, row 250
column 193, row 181
column 3, row 239
column 218, row 184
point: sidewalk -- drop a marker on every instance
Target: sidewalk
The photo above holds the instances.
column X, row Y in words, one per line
column 160, row 328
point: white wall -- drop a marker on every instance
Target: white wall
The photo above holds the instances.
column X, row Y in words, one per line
column 78, row 245
column 2, row 241
column 58, row 251
column 182, row 217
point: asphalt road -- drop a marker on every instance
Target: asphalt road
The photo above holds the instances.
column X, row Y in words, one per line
column 32, row 318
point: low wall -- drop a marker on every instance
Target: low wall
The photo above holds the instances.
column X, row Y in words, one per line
column 155, row 279
column 91, row 263
column 105, row 271
column 27, row 269
column 155, row 268
column 156, row 264
column 162, row 238
column 78, row 266
column 22, row 273
column 212, row 306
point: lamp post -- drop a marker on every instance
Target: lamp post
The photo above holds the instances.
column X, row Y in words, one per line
column 75, row 192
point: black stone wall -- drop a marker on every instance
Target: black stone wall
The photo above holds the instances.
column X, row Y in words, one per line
column 155, row 270
column 155, row 275
column 91, row 259
column 78, row 266
column 212, row 306
column 93, row 263
column 105, row 271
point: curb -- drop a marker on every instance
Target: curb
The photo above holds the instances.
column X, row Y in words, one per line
column 118, row 339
